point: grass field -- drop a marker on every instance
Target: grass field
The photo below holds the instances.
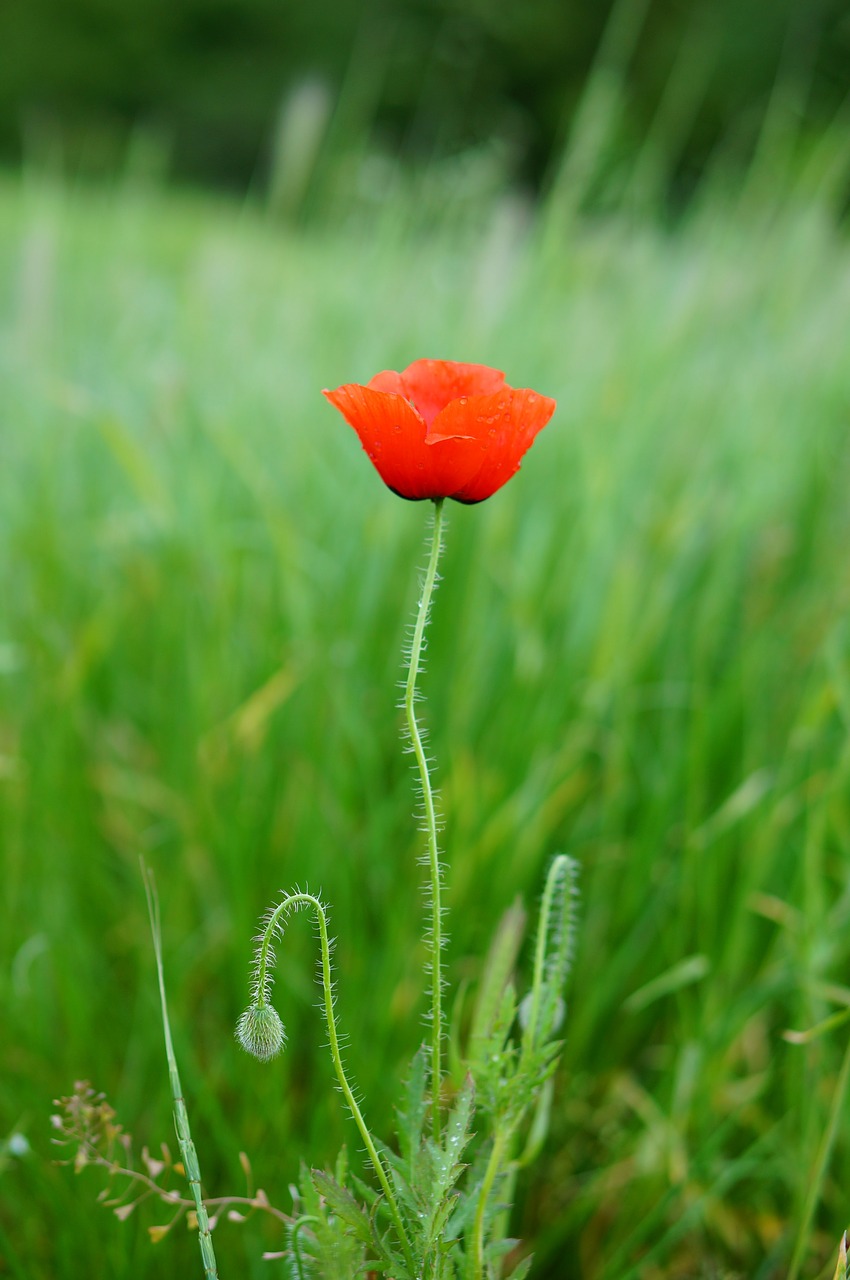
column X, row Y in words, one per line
column 639, row 656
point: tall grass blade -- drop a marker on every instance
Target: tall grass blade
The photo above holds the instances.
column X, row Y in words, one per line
column 181, row 1115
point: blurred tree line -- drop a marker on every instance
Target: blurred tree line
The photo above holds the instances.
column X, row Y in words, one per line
column 415, row 77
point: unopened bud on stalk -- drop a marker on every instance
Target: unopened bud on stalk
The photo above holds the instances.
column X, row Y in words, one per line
column 261, row 1032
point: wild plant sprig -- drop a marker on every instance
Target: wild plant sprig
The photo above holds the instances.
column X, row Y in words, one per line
column 253, row 1032
column 553, row 950
column 87, row 1122
column 434, row 934
column 516, row 1080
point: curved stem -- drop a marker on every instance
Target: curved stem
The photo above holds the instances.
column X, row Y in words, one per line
column 296, row 1248
column 435, row 939
column 273, row 925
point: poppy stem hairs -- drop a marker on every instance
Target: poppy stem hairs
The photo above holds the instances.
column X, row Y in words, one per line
column 434, row 932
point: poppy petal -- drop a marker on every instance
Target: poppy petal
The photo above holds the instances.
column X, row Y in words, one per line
column 389, row 380
column 431, row 385
column 393, row 435
column 506, row 424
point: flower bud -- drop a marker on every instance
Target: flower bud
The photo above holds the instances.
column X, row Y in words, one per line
column 261, row 1032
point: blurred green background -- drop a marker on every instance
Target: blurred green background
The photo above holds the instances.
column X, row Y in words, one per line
column 640, row 647
column 207, row 78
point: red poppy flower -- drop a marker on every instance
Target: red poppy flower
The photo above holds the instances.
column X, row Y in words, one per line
column 443, row 429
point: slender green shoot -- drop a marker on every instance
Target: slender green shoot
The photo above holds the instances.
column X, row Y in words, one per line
column 552, row 953
column 494, row 1165
column 181, row 1115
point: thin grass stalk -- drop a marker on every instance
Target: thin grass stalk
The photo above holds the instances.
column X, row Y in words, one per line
column 191, row 1165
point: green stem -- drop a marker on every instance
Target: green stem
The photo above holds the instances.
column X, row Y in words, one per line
column 296, row 1247
column 435, row 935
column 181, row 1115
column 262, row 984
column 490, row 1175
column 529, row 1040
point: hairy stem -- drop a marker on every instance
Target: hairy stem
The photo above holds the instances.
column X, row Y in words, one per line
column 559, row 868
column 296, row 1246
column 274, row 925
column 434, row 936
column 435, row 933
column 491, row 1173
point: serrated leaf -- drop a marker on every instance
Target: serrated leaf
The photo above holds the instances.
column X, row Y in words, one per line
column 446, row 1166
column 342, row 1203
column 457, row 1131
column 464, row 1209
column 496, row 1067
column 330, row 1245
column 438, row 1224
column 415, row 1106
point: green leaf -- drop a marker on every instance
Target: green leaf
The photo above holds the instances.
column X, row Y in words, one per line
column 324, row 1240
column 498, row 967
column 446, row 1166
column 494, row 1068
column 457, row 1131
column 539, row 1124
column 415, row 1106
column 342, row 1203
column 521, row 1270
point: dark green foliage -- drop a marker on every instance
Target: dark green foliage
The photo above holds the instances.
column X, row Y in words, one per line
column 208, row 76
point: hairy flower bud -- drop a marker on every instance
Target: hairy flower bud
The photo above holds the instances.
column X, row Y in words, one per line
column 261, row 1032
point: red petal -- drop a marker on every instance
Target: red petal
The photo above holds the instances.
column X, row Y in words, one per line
column 393, row 435
column 505, row 423
column 390, row 381
column 431, row 385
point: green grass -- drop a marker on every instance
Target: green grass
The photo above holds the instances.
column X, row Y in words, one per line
column 639, row 656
